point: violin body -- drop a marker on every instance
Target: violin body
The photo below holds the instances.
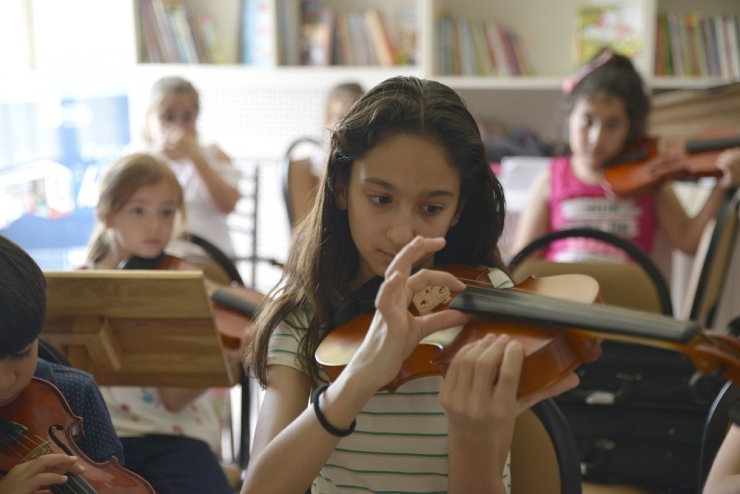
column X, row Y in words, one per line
column 41, row 422
column 642, row 166
column 550, row 353
column 557, row 322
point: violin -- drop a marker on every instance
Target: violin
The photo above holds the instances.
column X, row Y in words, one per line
column 641, row 166
column 233, row 306
column 558, row 321
column 40, row 422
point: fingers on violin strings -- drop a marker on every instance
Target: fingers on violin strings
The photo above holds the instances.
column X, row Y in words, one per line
column 475, row 367
column 510, row 370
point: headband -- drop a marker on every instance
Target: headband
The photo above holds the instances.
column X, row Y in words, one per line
column 569, row 83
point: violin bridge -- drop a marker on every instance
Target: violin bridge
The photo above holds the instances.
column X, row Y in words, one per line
column 431, row 298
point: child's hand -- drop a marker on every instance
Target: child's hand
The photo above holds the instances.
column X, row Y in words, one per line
column 179, row 142
column 32, row 476
column 729, row 163
column 479, row 393
column 394, row 331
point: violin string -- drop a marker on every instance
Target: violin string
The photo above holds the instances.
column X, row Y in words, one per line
column 38, row 442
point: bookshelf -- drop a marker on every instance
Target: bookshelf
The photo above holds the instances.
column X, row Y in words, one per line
column 545, row 27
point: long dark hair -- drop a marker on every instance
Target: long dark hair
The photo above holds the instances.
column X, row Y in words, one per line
column 323, row 258
column 22, row 298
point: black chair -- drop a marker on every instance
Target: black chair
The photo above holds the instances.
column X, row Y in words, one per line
column 544, row 455
column 712, row 262
column 217, row 255
column 715, row 429
column 638, row 255
column 638, row 411
column 294, row 172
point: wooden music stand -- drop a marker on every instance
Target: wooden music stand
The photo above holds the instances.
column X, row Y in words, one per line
column 136, row 328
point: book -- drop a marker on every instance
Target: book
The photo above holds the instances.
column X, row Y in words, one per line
column 406, row 35
column 677, row 54
column 617, row 26
column 482, row 56
column 258, row 46
column 496, row 45
column 288, row 15
column 722, row 48
column 379, row 38
column 316, row 34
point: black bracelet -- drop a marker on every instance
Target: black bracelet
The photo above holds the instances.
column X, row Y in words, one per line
column 322, row 420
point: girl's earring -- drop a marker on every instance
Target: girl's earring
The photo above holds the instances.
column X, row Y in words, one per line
column 454, row 221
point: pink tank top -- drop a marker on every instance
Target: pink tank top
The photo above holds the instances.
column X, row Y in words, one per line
column 574, row 204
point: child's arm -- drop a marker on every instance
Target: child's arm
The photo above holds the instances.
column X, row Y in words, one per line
column 175, row 399
column 29, row 477
column 682, row 231
column 534, row 220
column 724, row 477
column 224, row 195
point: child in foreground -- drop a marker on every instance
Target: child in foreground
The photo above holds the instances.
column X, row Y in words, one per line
column 407, row 187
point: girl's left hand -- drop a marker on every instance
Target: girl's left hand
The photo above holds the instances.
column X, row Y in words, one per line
column 394, row 332
column 479, row 393
column 729, row 163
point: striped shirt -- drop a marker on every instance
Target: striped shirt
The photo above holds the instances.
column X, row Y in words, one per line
column 400, row 442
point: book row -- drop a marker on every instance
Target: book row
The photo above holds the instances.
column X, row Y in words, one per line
column 170, row 33
column 480, row 48
column 690, row 44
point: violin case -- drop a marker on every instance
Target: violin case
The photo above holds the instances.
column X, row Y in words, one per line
column 638, row 416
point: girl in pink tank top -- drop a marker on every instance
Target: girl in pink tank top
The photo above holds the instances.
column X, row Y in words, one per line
column 607, row 105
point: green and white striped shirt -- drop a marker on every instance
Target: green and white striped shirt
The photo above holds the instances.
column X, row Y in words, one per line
column 400, row 442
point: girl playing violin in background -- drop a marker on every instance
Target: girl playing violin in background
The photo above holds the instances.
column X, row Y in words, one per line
column 169, row 435
column 407, row 186
column 22, row 310
column 607, row 105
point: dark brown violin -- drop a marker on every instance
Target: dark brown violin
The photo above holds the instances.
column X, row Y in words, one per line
column 556, row 321
column 641, row 166
column 233, row 305
column 40, row 422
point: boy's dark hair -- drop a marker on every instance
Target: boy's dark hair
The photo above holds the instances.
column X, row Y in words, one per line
column 323, row 258
column 618, row 77
column 22, row 298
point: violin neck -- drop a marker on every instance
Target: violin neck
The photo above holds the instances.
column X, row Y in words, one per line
column 547, row 311
column 703, row 145
column 234, row 302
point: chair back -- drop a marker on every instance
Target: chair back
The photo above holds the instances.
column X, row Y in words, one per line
column 215, row 263
column 711, row 264
column 298, row 183
column 622, row 285
column 715, row 428
column 544, row 456
column 639, row 286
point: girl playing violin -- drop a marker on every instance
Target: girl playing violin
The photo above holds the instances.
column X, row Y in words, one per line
column 407, row 186
column 22, row 310
column 169, row 435
column 607, row 105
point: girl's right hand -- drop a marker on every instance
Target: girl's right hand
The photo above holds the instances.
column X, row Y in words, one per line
column 33, row 476
column 178, row 142
column 394, row 331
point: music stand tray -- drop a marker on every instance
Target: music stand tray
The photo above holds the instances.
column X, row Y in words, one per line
column 136, row 328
